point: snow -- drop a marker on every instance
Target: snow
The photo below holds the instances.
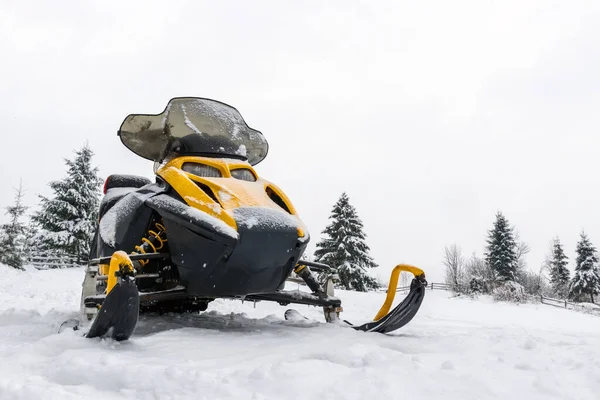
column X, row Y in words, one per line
column 112, row 218
column 217, row 224
column 266, row 218
column 589, row 305
column 117, row 192
column 455, row 348
column 193, row 213
column 242, row 150
column 189, row 123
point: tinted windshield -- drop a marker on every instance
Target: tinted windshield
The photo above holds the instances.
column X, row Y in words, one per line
column 193, row 126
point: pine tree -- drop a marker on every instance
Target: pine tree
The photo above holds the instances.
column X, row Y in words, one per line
column 13, row 233
column 587, row 276
column 501, row 250
column 559, row 273
column 344, row 248
column 67, row 221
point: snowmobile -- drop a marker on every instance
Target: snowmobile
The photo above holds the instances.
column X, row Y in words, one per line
column 208, row 227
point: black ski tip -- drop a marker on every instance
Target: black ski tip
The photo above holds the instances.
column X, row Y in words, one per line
column 119, row 312
column 401, row 315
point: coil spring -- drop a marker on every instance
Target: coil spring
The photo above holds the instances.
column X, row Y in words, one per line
column 153, row 243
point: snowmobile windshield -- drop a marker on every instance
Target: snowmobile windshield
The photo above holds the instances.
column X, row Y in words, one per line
column 193, row 126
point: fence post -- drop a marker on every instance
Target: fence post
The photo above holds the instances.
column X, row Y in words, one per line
column 565, row 303
column 541, row 298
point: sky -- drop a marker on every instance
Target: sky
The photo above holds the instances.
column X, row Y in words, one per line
column 431, row 115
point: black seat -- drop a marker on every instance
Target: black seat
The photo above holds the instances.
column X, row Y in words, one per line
column 125, row 181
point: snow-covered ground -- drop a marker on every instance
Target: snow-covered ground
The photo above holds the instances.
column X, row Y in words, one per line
column 455, row 348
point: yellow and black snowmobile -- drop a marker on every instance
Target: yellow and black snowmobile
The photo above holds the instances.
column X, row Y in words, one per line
column 209, row 227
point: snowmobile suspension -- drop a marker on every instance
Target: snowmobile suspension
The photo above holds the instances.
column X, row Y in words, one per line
column 304, row 272
column 153, row 243
column 120, row 266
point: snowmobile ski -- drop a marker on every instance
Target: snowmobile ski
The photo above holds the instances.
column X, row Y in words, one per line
column 403, row 313
column 119, row 312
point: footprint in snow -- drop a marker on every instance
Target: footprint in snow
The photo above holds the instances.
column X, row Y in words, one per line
column 447, row 365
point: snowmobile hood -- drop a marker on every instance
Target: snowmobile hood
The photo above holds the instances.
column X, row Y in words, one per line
column 193, row 126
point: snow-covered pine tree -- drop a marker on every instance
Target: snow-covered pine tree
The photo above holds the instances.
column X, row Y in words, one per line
column 344, row 248
column 559, row 273
column 66, row 222
column 29, row 243
column 12, row 237
column 587, row 276
column 501, row 250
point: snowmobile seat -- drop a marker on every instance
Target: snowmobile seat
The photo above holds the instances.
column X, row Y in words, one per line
column 118, row 186
column 125, row 181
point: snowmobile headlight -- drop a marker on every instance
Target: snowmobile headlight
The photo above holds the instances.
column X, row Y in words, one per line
column 203, row 170
column 243, row 174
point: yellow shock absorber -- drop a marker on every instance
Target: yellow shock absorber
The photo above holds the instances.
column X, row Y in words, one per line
column 119, row 263
column 153, row 243
column 391, row 292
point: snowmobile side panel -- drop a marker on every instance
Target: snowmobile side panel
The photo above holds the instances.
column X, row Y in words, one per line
column 124, row 224
column 112, row 197
column 173, row 209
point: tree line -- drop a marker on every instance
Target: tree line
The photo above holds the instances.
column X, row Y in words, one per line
column 60, row 229
column 502, row 271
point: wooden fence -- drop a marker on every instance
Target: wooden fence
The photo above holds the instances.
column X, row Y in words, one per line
column 543, row 299
column 431, row 285
column 568, row 305
column 52, row 262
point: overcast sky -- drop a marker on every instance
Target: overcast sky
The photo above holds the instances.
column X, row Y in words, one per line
column 431, row 115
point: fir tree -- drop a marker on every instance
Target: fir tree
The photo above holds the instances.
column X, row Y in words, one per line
column 501, row 250
column 559, row 273
column 67, row 221
column 12, row 238
column 587, row 277
column 344, row 248
column 29, row 242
